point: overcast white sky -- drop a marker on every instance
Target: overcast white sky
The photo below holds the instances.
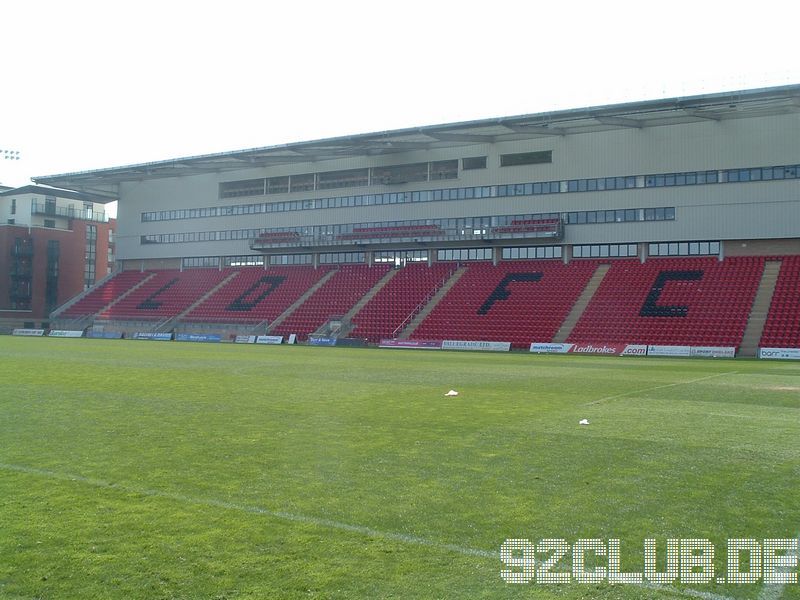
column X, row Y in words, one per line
column 87, row 85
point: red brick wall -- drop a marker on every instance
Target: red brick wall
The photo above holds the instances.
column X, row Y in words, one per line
column 72, row 248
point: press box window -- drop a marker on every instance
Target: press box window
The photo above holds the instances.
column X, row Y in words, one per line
column 473, row 162
column 526, row 158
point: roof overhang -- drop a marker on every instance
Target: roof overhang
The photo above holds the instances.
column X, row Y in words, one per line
column 633, row 115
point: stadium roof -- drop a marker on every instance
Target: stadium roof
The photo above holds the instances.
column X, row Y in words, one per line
column 637, row 115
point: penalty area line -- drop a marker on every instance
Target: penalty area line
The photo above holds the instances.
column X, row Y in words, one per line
column 657, row 387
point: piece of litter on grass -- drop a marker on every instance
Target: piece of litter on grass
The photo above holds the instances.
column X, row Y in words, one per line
column 452, row 393
column 583, row 422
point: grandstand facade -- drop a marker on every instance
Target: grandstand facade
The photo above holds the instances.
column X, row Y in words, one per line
column 666, row 221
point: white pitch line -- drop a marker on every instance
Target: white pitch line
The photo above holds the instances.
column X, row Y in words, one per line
column 256, row 510
column 300, row 518
column 658, row 387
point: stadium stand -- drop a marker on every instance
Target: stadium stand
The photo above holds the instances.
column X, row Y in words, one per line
column 340, row 293
column 782, row 329
column 166, row 295
column 397, row 302
column 399, row 231
column 684, row 301
column 656, row 222
column 529, row 226
column 515, row 301
column 255, row 294
column 106, row 293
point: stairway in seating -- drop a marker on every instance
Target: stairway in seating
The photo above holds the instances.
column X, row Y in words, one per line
column 126, row 294
column 437, row 297
column 760, row 309
column 299, row 302
column 580, row 304
column 369, row 295
column 205, row 297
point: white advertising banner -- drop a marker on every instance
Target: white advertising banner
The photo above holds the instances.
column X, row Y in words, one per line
column 668, row 351
column 547, row 348
column 28, row 332
column 245, row 339
column 65, row 333
column 476, row 345
column 635, row 350
column 779, row 353
column 269, row 339
column 713, row 351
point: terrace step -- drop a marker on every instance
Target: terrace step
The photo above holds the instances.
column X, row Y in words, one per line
column 300, row 301
column 437, row 297
column 580, row 304
column 760, row 309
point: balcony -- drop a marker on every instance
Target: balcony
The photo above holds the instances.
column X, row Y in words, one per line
column 68, row 213
column 22, row 250
column 540, row 230
column 21, row 272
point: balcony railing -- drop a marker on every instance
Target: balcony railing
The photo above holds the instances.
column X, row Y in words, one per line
column 69, row 213
column 551, row 230
column 21, row 272
column 22, row 250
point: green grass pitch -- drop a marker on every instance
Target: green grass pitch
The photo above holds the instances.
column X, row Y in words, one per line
column 179, row 470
